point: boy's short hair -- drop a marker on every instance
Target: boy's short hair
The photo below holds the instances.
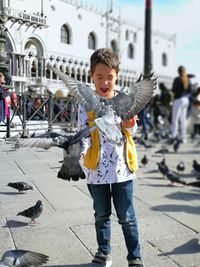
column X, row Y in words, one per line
column 104, row 56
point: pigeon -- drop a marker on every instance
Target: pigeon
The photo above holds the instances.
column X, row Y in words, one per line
column 20, row 186
column 163, row 150
column 196, row 166
column 180, row 167
column 71, row 169
column 146, row 143
column 32, row 212
column 174, row 178
column 162, row 167
column 144, row 160
column 123, row 104
column 61, row 141
column 23, row 258
column 195, row 183
column 176, row 145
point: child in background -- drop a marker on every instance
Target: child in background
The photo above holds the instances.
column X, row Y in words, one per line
column 110, row 169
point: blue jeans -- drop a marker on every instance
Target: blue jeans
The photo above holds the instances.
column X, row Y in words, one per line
column 122, row 194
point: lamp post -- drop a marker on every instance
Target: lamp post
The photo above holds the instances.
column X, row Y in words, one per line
column 4, row 58
column 147, row 40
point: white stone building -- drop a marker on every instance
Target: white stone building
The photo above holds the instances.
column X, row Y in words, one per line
column 66, row 32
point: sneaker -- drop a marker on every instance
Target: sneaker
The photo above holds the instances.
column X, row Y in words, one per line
column 100, row 259
column 136, row 263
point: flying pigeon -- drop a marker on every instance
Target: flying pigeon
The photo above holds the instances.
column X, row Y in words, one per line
column 23, row 258
column 71, row 169
column 32, row 212
column 20, row 186
column 61, row 141
column 123, row 104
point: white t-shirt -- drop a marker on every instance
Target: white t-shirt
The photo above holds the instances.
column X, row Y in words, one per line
column 111, row 167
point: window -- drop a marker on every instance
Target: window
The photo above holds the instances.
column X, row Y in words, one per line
column 135, row 37
column 65, row 35
column 127, row 35
column 130, row 51
column 114, row 46
column 91, row 41
column 164, row 59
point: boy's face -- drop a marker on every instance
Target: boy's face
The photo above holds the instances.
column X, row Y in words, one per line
column 104, row 79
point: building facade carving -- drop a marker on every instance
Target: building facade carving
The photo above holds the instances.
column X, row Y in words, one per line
column 66, row 32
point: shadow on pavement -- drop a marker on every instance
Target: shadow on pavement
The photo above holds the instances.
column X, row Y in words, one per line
column 191, row 247
column 15, row 224
column 177, row 208
column 10, row 193
column 183, row 195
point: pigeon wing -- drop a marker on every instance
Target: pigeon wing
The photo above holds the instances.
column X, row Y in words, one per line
column 127, row 105
column 83, row 93
column 22, row 258
column 44, row 143
column 27, row 212
column 108, row 127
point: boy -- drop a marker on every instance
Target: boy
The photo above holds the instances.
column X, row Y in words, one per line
column 109, row 169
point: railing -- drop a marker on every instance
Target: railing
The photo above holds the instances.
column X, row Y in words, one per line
column 27, row 16
column 61, row 112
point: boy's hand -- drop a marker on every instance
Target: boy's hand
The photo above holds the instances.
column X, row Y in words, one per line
column 82, row 155
column 130, row 123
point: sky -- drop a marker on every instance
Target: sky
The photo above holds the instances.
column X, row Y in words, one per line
column 180, row 17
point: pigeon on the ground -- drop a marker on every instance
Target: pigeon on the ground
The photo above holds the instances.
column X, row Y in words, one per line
column 144, row 160
column 125, row 105
column 32, row 212
column 174, row 178
column 194, row 183
column 162, row 167
column 23, row 258
column 163, row 150
column 146, row 143
column 180, row 167
column 176, row 145
column 20, row 186
column 196, row 166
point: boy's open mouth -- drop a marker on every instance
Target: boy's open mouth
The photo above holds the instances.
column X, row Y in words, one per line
column 104, row 89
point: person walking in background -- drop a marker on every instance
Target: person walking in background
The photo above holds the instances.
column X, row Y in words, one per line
column 181, row 90
column 109, row 170
column 4, row 111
